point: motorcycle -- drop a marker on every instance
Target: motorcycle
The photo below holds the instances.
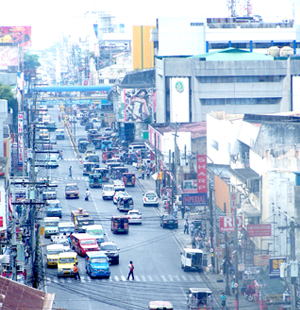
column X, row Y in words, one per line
column 87, row 196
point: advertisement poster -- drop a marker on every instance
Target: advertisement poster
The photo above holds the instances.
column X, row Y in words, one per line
column 259, row 230
column 189, row 186
column 20, row 138
column 16, row 34
column 275, row 266
column 8, row 57
column 261, row 260
column 201, row 174
column 194, row 200
column 139, row 105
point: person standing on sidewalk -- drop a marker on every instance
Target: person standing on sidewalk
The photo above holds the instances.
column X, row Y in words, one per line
column 131, row 267
column 223, row 300
column 182, row 209
column 186, row 227
column 175, row 209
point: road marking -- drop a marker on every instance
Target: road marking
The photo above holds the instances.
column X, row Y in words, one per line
column 150, row 278
column 123, row 278
column 171, row 278
column 143, row 278
column 116, row 278
column 164, row 278
column 137, row 279
column 177, row 278
column 183, row 277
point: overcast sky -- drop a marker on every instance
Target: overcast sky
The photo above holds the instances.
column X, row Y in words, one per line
column 48, row 18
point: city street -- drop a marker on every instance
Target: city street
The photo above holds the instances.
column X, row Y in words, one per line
column 154, row 251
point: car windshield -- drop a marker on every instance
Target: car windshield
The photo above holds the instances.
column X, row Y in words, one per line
column 109, row 188
column 85, row 222
column 67, row 260
column 72, row 188
column 150, row 195
column 87, row 242
column 108, row 247
column 134, row 213
column 54, row 206
column 47, row 224
column 53, row 252
column 99, row 260
column 65, row 229
column 95, row 232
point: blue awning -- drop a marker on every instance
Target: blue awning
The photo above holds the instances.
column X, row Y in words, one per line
column 60, row 89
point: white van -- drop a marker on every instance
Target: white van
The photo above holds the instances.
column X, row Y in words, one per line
column 136, row 147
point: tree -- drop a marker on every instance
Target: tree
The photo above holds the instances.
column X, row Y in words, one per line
column 7, row 94
column 31, row 62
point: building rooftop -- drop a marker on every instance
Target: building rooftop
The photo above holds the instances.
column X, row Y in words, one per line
column 232, row 54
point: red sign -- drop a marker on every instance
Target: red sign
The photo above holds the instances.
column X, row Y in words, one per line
column 201, row 174
column 227, row 223
column 1, row 221
column 259, row 230
column 16, row 35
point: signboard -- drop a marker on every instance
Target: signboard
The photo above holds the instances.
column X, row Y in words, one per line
column 259, row 230
column 2, row 205
column 227, row 223
column 219, row 252
column 261, row 260
column 201, row 174
column 194, row 200
column 189, row 186
column 16, row 35
column 274, row 266
column 20, row 137
column 8, row 57
column 234, row 201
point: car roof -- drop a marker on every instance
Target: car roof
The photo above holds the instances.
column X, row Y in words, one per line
column 71, row 184
column 93, row 254
column 94, row 227
column 107, row 243
column 52, row 201
column 200, row 290
column 150, row 192
column 134, row 210
column 67, row 254
column 83, row 236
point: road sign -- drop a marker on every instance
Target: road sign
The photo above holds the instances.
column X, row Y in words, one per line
column 212, row 250
column 219, row 252
column 235, row 285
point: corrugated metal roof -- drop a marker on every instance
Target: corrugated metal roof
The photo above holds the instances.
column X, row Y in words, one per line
column 232, row 54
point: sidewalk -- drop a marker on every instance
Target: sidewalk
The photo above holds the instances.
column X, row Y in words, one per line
column 185, row 242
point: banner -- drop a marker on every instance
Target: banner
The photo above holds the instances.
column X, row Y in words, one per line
column 274, row 271
column 16, row 35
column 8, row 57
column 194, row 200
column 20, row 137
column 234, row 201
column 261, row 260
column 139, row 104
column 201, row 174
column 259, row 230
column 227, row 223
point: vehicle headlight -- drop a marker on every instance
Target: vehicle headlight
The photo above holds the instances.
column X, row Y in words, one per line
column 59, row 269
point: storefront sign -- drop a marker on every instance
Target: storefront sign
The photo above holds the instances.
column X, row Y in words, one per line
column 227, row 223
column 259, row 230
column 261, row 260
column 275, row 266
column 234, row 201
column 194, row 200
column 219, row 252
column 20, row 137
column 201, row 174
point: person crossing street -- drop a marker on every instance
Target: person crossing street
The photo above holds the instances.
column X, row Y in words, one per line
column 70, row 172
column 131, row 267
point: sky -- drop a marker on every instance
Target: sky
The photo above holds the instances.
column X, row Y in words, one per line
column 49, row 18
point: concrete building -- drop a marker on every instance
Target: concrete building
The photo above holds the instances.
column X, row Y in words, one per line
column 232, row 80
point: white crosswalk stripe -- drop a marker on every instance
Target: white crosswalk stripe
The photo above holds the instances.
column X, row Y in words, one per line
column 193, row 277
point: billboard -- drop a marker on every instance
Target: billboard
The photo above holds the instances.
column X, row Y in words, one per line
column 20, row 137
column 201, row 174
column 261, row 260
column 227, row 223
column 8, row 56
column 189, row 186
column 16, row 35
column 194, row 200
column 274, row 264
column 2, row 204
column 179, row 100
column 139, row 104
column 259, row 230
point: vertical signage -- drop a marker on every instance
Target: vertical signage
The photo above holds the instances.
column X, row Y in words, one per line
column 20, row 137
column 233, row 201
column 201, row 174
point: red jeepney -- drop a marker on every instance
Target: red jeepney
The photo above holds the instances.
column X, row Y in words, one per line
column 128, row 179
column 107, row 155
column 119, row 224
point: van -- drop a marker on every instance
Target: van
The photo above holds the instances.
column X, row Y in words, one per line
column 65, row 264
column 97, row 264
column 53, row 207
column 96, row 231
column 159, row 304
column 51, row 226
column 82, row 243
column 136, row 147
column 66, row 227
column 53, row 250
column 193, row 259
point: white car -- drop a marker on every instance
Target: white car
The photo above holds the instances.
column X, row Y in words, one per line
column 119, row 185
column 134, row 217
column 150, row 199
column 119, row 194
column 108, row 192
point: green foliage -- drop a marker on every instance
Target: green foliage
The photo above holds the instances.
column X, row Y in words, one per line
column 31, row 62
column 7, row 94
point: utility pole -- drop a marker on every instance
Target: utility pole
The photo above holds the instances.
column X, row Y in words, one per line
column 211, row 229
column 226, row 263
column 236, row 284
column 292, row 227
column 175, row 162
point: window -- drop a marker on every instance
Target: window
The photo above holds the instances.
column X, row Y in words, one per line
column 101, row 81
column 214, row 144
column 239, row 101
column 112, row 81
column 196, row 24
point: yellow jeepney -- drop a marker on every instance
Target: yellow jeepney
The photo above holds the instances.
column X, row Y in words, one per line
column 65, row 264
column 53, row 251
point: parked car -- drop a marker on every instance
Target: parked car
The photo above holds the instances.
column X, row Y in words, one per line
column 168, row 220
column 111, row 251
column 150, row 199
column 134, row 217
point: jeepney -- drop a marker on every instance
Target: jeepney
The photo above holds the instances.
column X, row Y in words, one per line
column 199, row 299
column 96, row 264
column 53, row 207
column 65, row 264
column 88, row 167
column 95, row 180
column 119, row 224
column 53, row 250
column 104, row 173
column 51, row 226
column 128, row 179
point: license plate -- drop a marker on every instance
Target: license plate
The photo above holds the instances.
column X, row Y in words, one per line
column 68, row 272
column 72, row 195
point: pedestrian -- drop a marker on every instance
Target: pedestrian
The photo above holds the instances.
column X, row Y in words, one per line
column 131, row 267
column 70, row 172
column 200, row 246
column 232, row 286
column 182, row 211
column 193, row 242
column 223, row 300
column 186, row 227
column 59, row 117
column 175, row 209
column 78, row 274
column 192, row 228
column 75, row 271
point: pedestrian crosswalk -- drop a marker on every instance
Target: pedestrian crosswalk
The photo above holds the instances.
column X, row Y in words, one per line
column 71, row 179
column 193, row 277
column 69, row 159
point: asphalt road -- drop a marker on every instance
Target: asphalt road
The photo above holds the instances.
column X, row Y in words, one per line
column 153, row 250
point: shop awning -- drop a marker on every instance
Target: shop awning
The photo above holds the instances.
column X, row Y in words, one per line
column 250, row 211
